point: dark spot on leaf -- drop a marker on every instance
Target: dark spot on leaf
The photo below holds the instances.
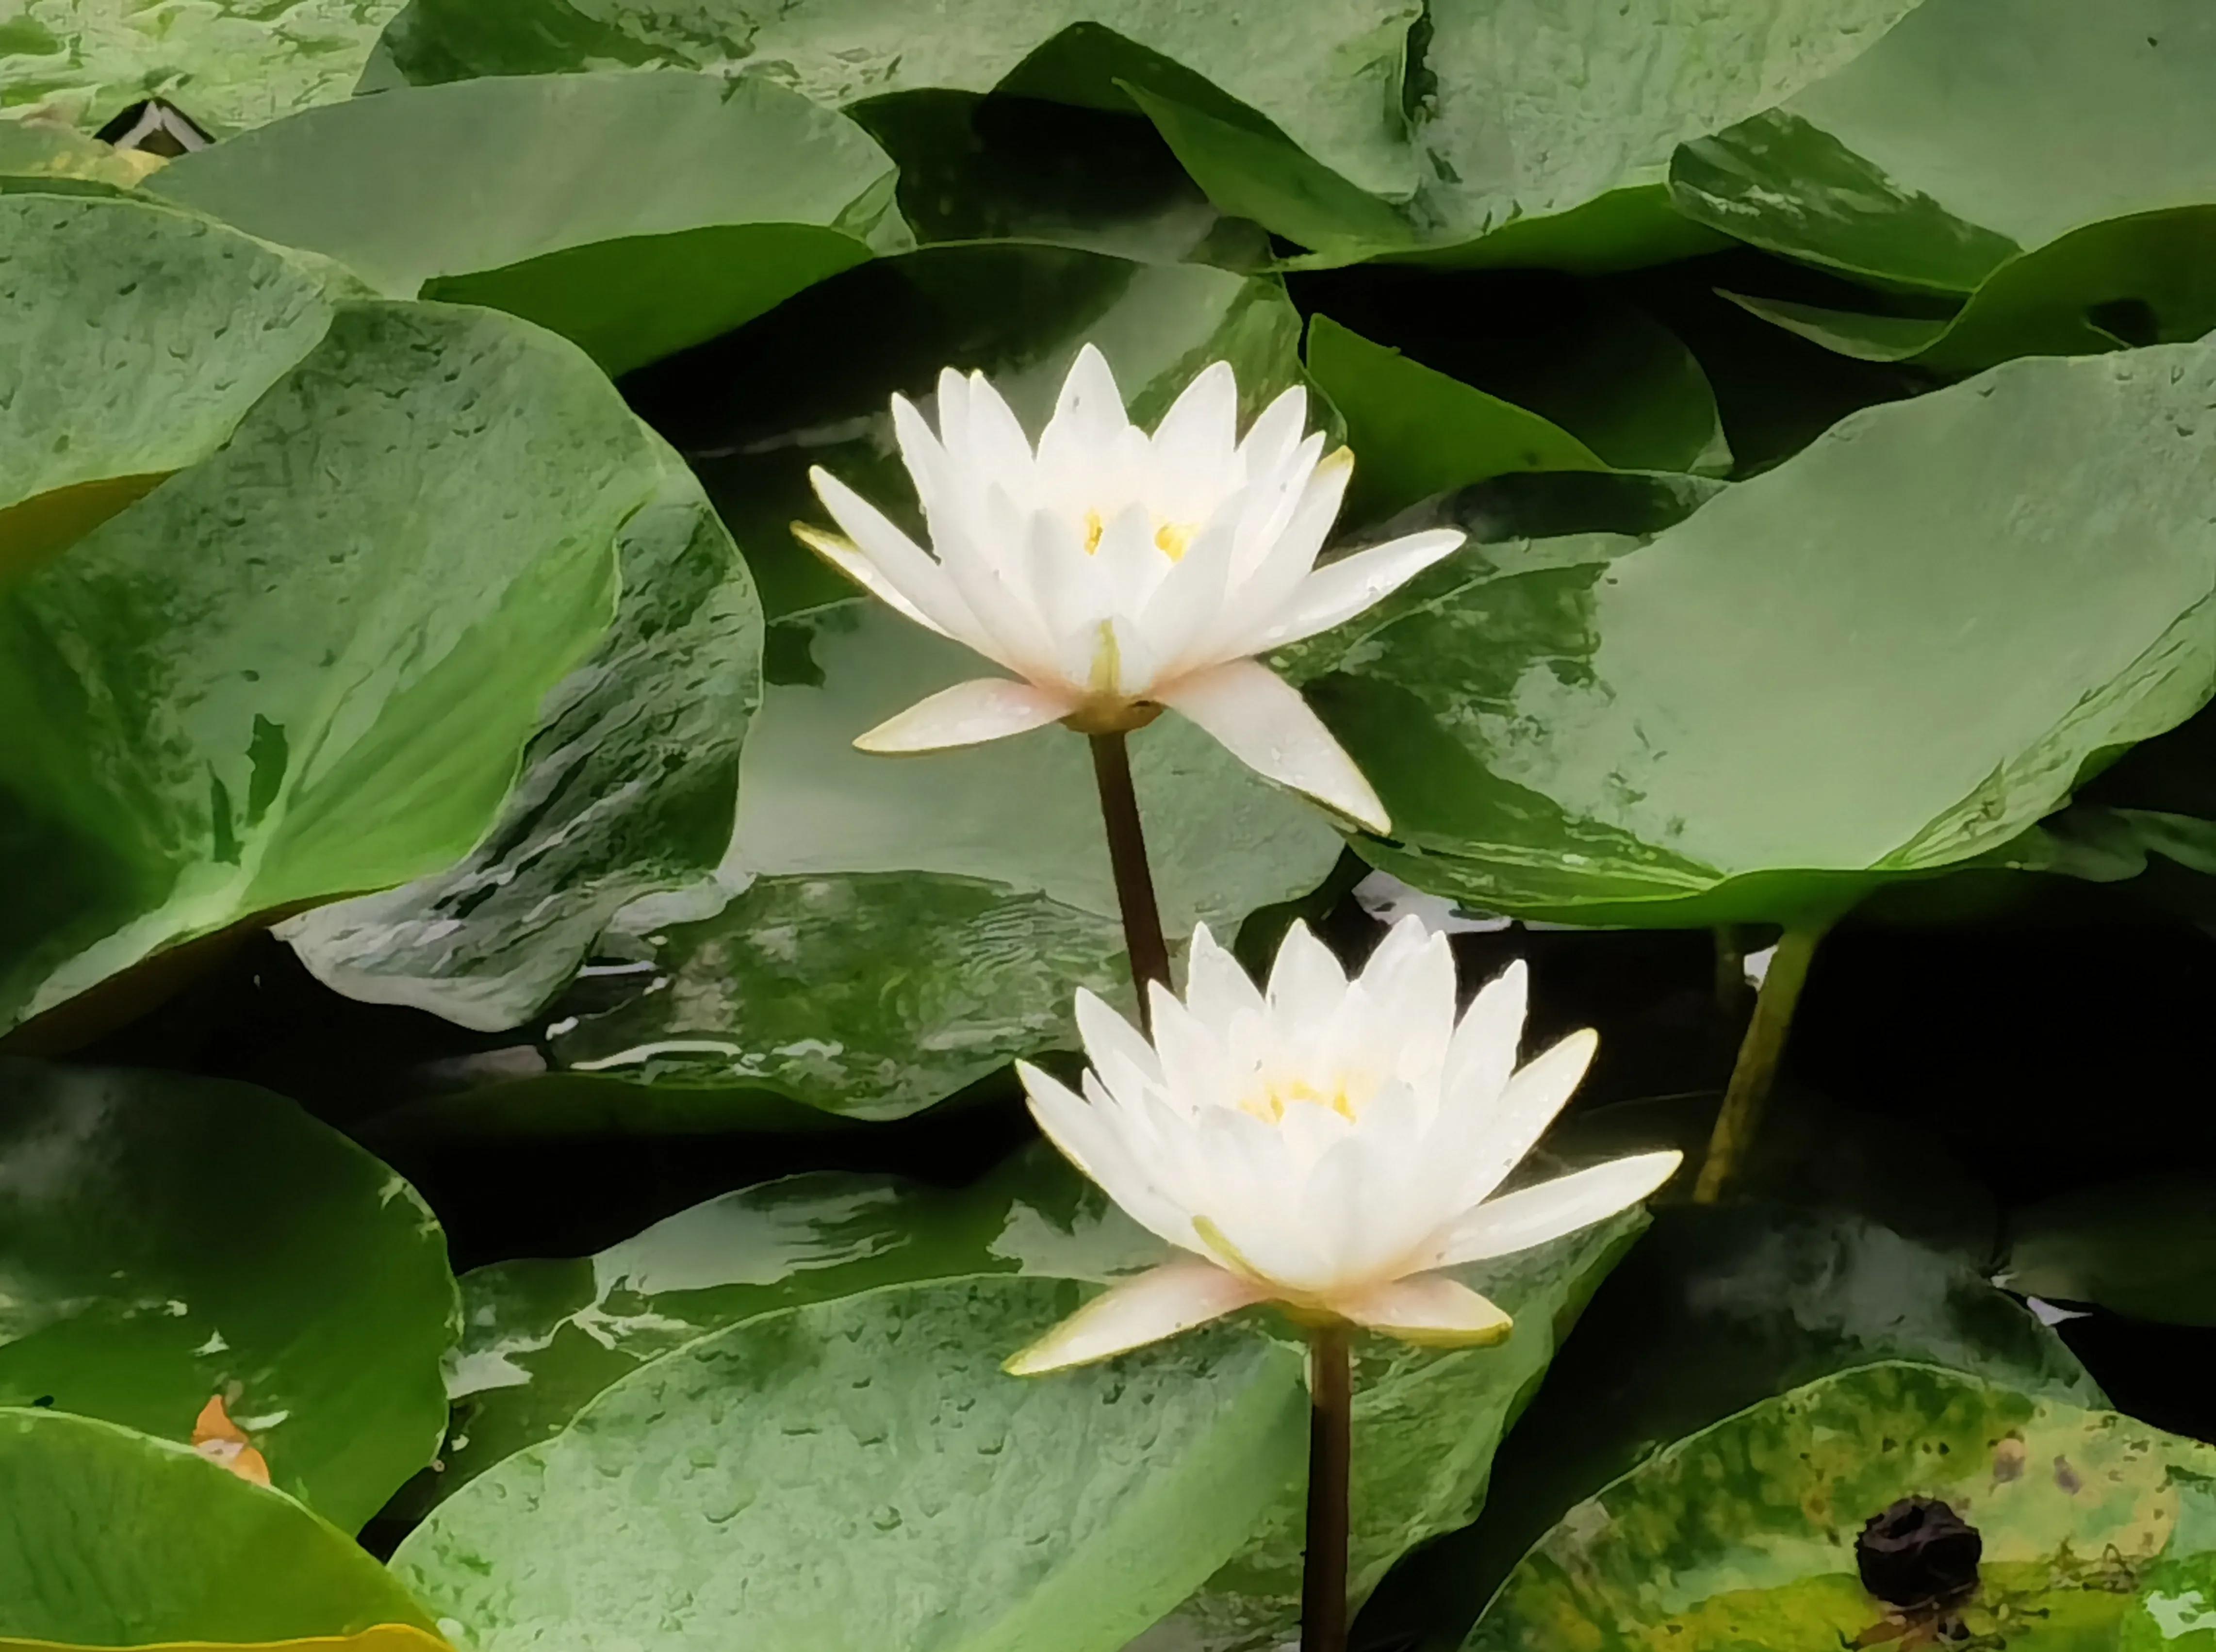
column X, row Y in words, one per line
column 1919, row 1552
column 2067, row 1477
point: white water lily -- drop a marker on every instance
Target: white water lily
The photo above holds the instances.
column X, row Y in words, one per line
column 1330, row 1146
column 1117, row 573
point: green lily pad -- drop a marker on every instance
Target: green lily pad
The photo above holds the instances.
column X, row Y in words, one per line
column 36, row 148
column 180, row 325
column 1424, row 432
column 1951, row 145
column 307, row 665
column 1717, row 1308
column 2136, row 281
column 1333, row 82
column 542, row 1338
column 1808, row 686
column 2145, row 1247
column 882, row 1482
column 2097, row 1529
column 2053, row 171
column 136, row 1540
column 265, row 1260
column 1607, row 388
column 636, row 214
column 1513, row 164
column 228, row 63
column 1002, row 168
column 629, row 788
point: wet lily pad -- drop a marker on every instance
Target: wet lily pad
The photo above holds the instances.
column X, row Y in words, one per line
column 628, row 788
column 230, row 63
column 266, row 1261
column 544, row 1338
column 423, row 512
column 635, row 214
column 2051, row 173
column 137, row 1540
column 883, row 1481
column 2097, row 1529
column 1565, row 729
column 182, row 323
column 1538, row 136
column 1717, row 1308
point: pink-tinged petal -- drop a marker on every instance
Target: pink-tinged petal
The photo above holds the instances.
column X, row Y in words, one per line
column 1429, row 1310
column 1532, row 1216
column 969, row 714
column 1177, row 1296
column 1511, row 1127
column 1337, row 592
column 1263, row 722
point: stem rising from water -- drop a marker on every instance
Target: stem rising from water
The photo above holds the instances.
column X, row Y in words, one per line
column 1127, row 857
column 1759, row 1054
column 1331, row 1419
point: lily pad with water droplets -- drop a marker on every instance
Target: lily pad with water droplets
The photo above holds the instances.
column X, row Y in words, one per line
column 179, row 1251
column 2098, row 1530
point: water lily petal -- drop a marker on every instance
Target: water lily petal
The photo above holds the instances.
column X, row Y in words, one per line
column 884, row 561
column 1511, row 1128
column 1218, row 990
column 1175, row 1297
column 969, row 714
column 1481, row 1057
column 1195, row 445
column 1088, row 1138
column 1411, row 977
column 1264, row 723
column 1428, row 1309
column 1338, row 592
column 1531, row 1216
column 846, row 556
column 1119, row 1052
column 998, row 446
column 1088, row 417
column 1275, row 433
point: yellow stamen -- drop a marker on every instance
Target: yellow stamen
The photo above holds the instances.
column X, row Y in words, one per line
column 1172, row 538
column 1094, row 529
column 1269, row 1105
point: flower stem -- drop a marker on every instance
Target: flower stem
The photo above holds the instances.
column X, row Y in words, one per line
column 1127, row 858
column 1331, row 1418
column 1759, row 1052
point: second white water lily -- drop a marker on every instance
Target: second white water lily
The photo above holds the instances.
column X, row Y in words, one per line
column 1328, row 1144
column 1117, row 573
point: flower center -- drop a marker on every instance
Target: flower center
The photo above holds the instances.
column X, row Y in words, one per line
column 1343, row 1096
column 1171, row 538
